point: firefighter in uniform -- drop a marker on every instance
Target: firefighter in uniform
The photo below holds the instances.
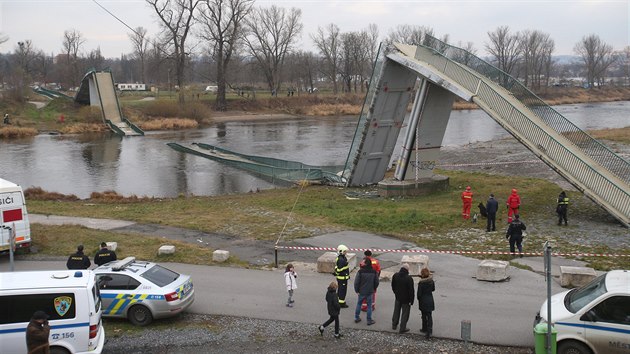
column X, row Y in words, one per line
column 342, row 273
column 513, row 203
column 104, row 255
column 467, row 197
column 376, row 265
column 563, row 205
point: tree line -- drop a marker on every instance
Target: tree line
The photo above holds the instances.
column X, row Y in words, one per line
column 239, row 45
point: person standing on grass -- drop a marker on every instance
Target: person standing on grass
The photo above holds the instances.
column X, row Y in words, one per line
column 561, row 209
column 514, row 235
column 492, row 206
column 333, row 307
column 467, row 200
column 290, row 280
column 402, row 286
column 513, row 204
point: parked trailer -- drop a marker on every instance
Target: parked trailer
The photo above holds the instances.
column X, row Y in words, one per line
column 13, row 217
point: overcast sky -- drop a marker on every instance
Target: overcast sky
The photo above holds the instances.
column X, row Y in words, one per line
column 44, row 21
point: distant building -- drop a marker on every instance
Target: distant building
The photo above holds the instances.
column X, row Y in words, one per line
column 131, row 87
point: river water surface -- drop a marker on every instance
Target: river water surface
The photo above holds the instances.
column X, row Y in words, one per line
column 146, row 166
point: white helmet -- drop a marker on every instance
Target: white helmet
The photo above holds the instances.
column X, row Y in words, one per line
column 342, row 249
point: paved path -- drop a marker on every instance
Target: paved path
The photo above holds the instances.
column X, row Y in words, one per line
column 501, row 313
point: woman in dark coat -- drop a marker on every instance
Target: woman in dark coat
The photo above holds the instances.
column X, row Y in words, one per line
column 426, row 287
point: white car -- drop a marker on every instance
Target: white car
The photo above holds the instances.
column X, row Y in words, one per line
column 141, row 291
column 593, row 319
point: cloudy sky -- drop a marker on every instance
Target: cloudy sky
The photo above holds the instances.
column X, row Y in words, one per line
column 44, row 21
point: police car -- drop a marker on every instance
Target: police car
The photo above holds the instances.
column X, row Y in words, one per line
column 593, row 319
column 141, row 291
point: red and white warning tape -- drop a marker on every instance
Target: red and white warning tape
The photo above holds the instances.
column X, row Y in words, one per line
column 452, row 252
column 489, row 163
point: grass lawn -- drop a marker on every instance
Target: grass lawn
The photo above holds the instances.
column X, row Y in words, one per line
column 432, row 221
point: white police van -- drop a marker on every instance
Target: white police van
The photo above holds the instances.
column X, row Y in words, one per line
column 593, row 319
column 70, row 298
column 13, row 217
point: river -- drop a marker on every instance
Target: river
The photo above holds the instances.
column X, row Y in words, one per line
column 146, row 166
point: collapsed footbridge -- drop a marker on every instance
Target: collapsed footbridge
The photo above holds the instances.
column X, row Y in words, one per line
column 446, row 72
column 97, row 89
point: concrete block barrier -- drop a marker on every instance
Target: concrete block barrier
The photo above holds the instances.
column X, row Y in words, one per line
column 492, row 270
column 573, row 277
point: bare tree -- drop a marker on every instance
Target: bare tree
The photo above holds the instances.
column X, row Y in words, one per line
column 271, row 34
column 72, row 42
column 176, row 20
column 25, row 55
column 44, row 65
column 140, row 42
column 467, row 54
column 504, row 48
column 536, row 49
column 356, row 60
column 222, row 22
column 408, row 34
column 328, row 42
column 597, row 57
column 95, row 59
column 306, row 63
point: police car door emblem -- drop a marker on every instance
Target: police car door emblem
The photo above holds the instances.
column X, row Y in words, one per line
column 62, row 304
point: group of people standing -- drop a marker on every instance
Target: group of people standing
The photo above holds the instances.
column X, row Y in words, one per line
column 366, row 284
column 79, row 260
column 514, row 233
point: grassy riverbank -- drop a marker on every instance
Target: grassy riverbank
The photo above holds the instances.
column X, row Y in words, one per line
column 163, row 113
column 432, row 221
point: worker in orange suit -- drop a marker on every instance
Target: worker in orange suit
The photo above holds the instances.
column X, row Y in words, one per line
column 513, row 203
column 467, row 198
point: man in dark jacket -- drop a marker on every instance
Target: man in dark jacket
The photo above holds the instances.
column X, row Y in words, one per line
column 402, row 285
column 515, row 234
column 78, row 260
column 37, row 333
column 491, row 208
column 104, row 255
column 365, row 285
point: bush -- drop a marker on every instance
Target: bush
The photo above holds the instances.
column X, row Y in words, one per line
column 90, row 114
column 8, row 132
column 170, row 109
column 36, row 193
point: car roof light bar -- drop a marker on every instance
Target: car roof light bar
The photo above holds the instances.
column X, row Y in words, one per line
column 120, row 265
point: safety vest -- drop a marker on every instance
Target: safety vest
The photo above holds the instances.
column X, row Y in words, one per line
column 564, row 201
column 342, row 269
column 467, row 197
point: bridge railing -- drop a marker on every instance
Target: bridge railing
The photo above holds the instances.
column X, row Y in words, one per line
column 563, row 157
column 597, row 151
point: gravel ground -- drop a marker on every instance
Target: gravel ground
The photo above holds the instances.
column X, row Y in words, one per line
column 224, row 334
